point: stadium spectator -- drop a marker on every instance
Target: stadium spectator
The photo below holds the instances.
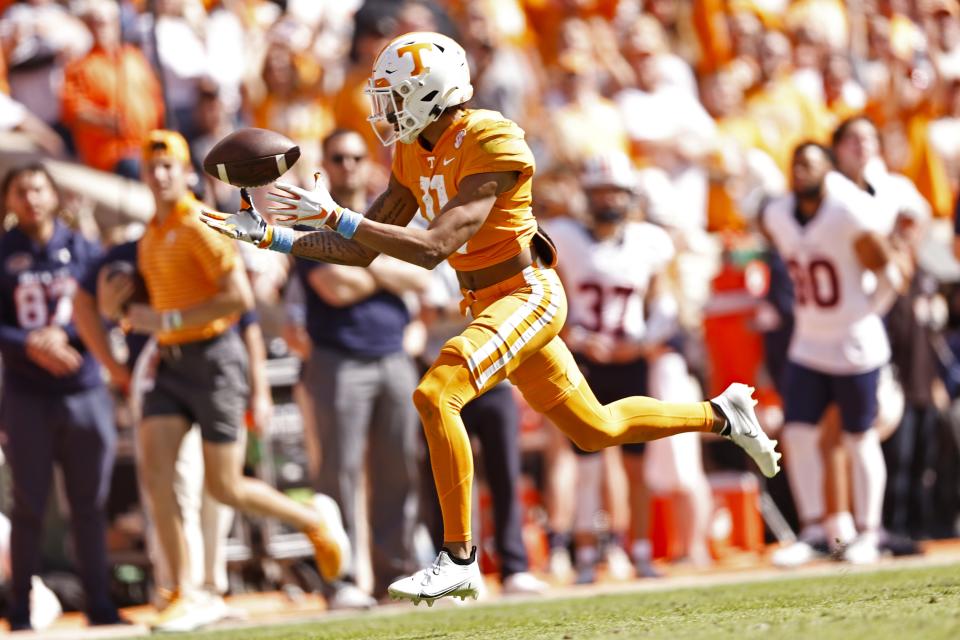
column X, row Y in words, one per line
column 289, row 102
column 107, row 290
column 669, row 130
column 202, row 378
column 866, row 221
column 585, row 122
column 503, row 72
column 181, row 54
column 55, row 410
column 38, row 39
column 913, row 325
column 784, row 114
column 111, row 97
column 621, row 317
column 741, row 174
column 374, row 25
column 15, row 117
column 360, row 380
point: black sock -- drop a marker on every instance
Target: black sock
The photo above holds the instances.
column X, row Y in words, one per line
column 455, row 560
column 718, row 412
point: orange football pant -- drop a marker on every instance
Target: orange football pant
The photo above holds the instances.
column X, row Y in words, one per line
column 514, row 336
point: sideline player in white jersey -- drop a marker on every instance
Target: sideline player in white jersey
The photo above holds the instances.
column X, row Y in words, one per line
column 834, row 241
column 620, row 317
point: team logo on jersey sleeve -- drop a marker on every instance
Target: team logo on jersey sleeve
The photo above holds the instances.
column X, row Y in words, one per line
column 18, row 262
column 458, row 141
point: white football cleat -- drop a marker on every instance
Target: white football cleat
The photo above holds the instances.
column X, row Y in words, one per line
column 444, row 578
column 743, row 428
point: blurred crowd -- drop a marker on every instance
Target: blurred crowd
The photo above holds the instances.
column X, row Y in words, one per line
column 704, row 101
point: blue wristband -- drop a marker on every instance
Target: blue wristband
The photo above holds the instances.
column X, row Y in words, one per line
column 349, row 221
column 282, row 240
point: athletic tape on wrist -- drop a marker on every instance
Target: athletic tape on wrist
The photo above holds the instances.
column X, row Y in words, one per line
column 349, row 221
column 282, row 240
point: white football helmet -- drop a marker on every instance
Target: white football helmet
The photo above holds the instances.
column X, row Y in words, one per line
column 414, row 79
column 609, row 169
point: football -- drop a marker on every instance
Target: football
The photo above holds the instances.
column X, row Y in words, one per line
column 251, row 157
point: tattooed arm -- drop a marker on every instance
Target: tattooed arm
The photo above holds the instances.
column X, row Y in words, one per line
column 395, row 206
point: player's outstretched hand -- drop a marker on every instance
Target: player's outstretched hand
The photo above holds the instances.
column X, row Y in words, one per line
column 296, row 206
column 246, row 224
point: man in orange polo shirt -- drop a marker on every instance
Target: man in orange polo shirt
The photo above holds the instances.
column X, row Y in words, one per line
column 198, row 287
column 111, row 96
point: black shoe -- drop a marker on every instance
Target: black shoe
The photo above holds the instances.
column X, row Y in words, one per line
column 19, row 625
column 102, row 620
column 899, row 545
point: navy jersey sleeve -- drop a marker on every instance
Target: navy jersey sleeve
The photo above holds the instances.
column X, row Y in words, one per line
column 13, row 338
column 126, row 252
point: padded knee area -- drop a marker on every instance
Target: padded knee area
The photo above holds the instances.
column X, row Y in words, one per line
column 445, row 387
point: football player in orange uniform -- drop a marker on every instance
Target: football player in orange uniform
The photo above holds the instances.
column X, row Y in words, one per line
column 469, row 173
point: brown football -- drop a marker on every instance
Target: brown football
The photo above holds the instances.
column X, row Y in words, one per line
column 251, row 157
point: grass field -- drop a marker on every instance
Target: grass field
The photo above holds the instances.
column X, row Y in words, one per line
column 905, row 604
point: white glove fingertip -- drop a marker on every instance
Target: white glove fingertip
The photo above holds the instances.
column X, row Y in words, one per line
column 286, row 186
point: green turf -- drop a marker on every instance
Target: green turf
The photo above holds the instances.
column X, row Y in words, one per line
column 906, row 604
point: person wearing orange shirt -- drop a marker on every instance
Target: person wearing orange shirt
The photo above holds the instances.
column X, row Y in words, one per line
column 469, row 172
column 197, row 288
column 111, row 97
column 291, row 105
column 783, row 113
column 351, row 105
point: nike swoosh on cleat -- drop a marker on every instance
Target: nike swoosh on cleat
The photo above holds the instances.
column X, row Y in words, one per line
column 424, row 594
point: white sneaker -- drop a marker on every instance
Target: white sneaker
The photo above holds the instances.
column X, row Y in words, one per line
column 737, row 404
column 619, row 566
column 444, row 578
column 864, row 550
column 561, row 567
column 797, row 554
column 523, row 583
column 220, row 610
column 350, row 596
column 185, row 612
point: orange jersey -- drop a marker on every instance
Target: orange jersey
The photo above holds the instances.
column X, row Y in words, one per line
column 481, row 142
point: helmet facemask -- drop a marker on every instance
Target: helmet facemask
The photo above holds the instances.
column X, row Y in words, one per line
column 391, row 120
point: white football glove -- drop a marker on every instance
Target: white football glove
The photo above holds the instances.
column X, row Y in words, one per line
column 246, row 224
column 314, row 209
